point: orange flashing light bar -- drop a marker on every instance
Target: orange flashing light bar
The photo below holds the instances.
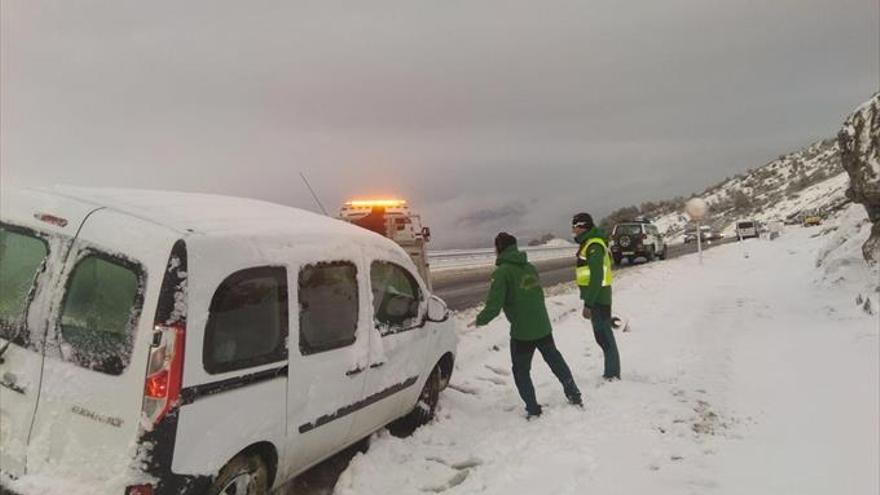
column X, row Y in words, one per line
column 369, row 203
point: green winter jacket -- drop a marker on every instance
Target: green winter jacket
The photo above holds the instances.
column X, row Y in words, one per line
column 517, row 290
column 594, row 293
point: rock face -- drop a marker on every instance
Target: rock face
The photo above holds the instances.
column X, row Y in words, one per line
column 860, row 153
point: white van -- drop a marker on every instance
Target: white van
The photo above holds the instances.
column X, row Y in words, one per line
column 156, row 342
column 747, row 229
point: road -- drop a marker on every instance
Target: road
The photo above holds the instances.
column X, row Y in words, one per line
column 466, row 288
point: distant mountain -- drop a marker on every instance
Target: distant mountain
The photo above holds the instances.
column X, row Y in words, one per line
column 809, row 179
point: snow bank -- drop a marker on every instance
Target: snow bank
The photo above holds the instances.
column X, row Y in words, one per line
column 474, row 258
column 842, row 266
column 557, row 242
column 742, row 375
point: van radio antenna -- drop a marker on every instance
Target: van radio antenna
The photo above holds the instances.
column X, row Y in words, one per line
column 315, row 196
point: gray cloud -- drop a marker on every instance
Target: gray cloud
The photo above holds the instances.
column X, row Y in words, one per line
column 462, row 107
column 510, row 214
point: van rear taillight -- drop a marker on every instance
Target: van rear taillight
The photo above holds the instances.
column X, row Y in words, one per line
column 164, row 372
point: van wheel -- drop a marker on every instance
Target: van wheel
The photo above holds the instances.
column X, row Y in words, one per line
column 652, row 254
column 663, row 254
column 424, row 410
column 246, row 474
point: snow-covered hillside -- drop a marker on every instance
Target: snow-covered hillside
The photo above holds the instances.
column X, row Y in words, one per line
column 810, row 179
column 757, row 374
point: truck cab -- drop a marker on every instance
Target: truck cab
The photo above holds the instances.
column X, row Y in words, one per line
column 393, row 219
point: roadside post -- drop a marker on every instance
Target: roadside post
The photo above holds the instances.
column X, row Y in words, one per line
column 697, row 209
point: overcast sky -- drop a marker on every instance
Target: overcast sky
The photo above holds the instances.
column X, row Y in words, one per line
column 486, row 115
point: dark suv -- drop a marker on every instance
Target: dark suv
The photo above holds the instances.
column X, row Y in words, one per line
column 633, row 240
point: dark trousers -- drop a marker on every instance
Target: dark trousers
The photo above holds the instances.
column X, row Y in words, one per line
column 601, row 319
column 521, row 352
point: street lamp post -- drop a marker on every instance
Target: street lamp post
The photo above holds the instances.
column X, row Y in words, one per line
column 697, row 210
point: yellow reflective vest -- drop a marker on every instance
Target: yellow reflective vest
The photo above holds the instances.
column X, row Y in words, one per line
column 583, row 273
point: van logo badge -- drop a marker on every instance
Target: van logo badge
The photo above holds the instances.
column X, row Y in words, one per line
column 107, row 420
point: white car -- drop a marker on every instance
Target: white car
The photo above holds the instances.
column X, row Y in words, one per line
column 157, row 342
column 747, row 229
column 640, row 239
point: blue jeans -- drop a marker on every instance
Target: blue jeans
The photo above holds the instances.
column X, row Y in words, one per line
column 521, row 352
column 604, row 334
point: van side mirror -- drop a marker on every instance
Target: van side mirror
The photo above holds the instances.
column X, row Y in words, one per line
column 437, row 310
column 426, row 234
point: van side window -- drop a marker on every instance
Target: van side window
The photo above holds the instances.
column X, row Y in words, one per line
column 328, row 306
column 396, row 297
column 247, row 325
column 22, row 258
column 100, row 311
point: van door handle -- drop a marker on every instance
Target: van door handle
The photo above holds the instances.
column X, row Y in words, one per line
column 354, row 371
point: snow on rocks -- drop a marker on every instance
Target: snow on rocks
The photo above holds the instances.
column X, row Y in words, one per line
column 860, row 153
column 842, row 265
column 740, row 376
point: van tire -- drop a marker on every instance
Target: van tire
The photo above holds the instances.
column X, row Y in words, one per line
column 424, row 410
column 246, row 466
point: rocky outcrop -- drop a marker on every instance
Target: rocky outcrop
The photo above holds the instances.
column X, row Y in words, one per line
column 860, row 153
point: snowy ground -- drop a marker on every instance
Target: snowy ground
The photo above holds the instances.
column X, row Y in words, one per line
column 754, row 373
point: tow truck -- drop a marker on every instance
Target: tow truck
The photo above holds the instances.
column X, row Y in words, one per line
column 393, row 219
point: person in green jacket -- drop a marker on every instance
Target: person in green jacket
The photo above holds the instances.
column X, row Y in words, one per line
column 517, row 290
column 594, row 278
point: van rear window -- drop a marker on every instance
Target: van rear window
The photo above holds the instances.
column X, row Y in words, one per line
column 22, row 257
column 100, row 311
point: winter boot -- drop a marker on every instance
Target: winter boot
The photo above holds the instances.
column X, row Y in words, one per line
column 535, row 414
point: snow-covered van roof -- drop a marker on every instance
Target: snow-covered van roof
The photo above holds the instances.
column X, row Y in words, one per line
column 197, row 213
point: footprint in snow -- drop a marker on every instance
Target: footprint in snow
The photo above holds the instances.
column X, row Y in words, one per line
column 497, row 370
column 469, row 463
column 492, row 379
column 456, row 479
column 463, row 469
column 464, row 389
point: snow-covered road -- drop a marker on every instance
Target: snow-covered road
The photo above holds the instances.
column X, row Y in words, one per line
column 744, row 375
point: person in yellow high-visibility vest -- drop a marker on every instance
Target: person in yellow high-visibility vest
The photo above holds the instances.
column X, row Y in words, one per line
column 594, row 277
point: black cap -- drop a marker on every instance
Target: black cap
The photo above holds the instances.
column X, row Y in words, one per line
column 583, row 221
column 504, row 241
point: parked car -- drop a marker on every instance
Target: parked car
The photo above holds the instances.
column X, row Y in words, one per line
column 707, row 234
column 633, row 240
column 747, row 229
column 158, row 343
column 812, row 220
